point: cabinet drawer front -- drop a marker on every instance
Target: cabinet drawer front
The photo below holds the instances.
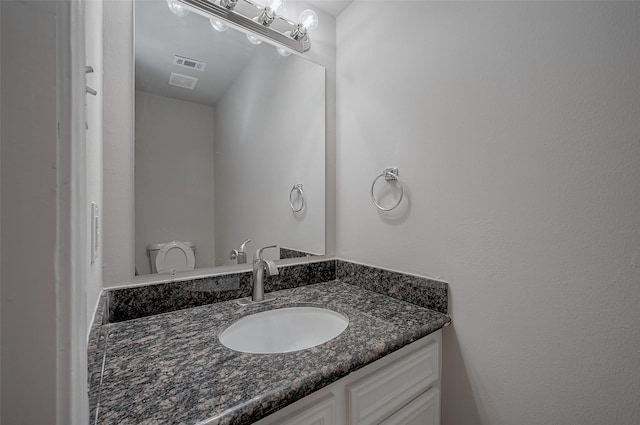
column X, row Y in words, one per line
column 377, row 396
column 424, row 410
column 322, row 412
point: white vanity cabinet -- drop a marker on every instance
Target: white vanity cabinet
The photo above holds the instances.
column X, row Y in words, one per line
column 423, row 410
column 322, row 412
column 402, row 388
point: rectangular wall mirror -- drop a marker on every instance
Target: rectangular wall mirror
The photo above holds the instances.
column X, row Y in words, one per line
column 225, row 131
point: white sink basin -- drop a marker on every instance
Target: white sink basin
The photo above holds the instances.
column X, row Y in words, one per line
column 283, row 330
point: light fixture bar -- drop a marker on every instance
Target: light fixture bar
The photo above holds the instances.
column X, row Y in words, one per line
column 282, row 18
column 244, row 24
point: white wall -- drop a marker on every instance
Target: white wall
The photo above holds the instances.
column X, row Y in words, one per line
column 515, row 127
column 118, row 153
column 0, row 218
column 28, row 191
column 268, row 138
column 174, row 176
column 118, row 211
column 94, row 52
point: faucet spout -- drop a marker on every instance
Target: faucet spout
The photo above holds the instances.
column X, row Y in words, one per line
column 240, row 255
column 243, row 246
column 271, row 267
column 260, row 266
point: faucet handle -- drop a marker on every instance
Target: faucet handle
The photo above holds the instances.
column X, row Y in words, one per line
column 258, row 255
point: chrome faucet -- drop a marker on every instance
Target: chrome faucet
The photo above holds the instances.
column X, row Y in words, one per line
column 260, row 265
column 240, row 254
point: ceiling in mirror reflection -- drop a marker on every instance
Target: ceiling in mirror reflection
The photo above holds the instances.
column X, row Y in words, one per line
column 332, row 7
column 160, row 35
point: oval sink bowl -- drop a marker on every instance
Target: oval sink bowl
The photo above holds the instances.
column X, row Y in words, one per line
column 283, row 330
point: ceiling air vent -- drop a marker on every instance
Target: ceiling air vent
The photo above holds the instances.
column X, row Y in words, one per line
column 189, row 63
column 183, row 81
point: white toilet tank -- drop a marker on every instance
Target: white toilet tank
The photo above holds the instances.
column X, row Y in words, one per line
column 170, row 257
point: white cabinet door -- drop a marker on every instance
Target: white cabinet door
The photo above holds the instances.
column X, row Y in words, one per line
column 321, row 413
column 424, row 410
column 377, row 396
column 399, row 389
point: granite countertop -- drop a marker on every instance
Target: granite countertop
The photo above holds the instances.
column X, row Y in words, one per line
column 172, row 369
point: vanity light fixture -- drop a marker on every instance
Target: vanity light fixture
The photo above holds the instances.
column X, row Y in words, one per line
column 308, row 22
column 271, row 10
column 252, row 38
column 224, row 14
column 229, row 4
column 282, row 51
column 218, row 25
column 177, row 9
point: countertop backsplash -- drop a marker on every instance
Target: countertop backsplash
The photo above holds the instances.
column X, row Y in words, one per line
column 140, row 301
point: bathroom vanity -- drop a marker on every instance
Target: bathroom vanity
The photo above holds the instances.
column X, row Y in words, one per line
column 171, row 368
column 401, row 388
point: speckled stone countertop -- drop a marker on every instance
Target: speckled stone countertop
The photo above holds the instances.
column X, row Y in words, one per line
column 172, row 369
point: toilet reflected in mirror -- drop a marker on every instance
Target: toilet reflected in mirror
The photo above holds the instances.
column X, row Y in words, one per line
column 171, row 257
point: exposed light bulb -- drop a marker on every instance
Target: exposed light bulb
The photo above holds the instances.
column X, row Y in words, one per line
column 283, row 52
column 177, row 9
column 218, row 25
column 308, row 20
column 253, row 39
column 276, row 6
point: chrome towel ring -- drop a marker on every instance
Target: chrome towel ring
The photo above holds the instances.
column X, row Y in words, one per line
column 296, row 188
column 389, row 174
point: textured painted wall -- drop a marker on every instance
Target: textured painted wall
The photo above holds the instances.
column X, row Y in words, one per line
column 118, row 152
column 268, row 138
column 29, row 194
column 0, row 217
column 94, row 52
column 515, row 127
column 174, row 176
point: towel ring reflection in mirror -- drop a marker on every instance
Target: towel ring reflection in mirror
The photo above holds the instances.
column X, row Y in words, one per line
column 297, row 188
column 389, row 174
